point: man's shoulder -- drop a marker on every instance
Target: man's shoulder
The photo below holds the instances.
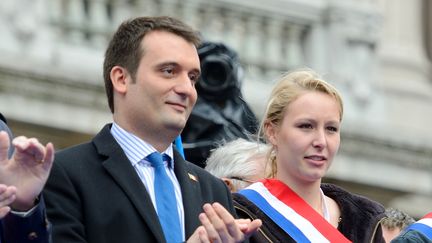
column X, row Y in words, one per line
column 78, row 150
column 85, row 149
column 207, row 181
column 202, row 173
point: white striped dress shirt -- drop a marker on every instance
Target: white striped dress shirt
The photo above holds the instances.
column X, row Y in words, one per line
column 136, row 151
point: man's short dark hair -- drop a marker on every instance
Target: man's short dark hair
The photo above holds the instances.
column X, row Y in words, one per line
column 125, row 50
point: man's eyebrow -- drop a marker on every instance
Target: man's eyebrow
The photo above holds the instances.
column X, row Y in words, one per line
column 175, row 64
column 197, row 71
column 168, row 63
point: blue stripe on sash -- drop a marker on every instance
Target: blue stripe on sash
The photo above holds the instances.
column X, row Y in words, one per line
column 279, row 219
column 424, row 229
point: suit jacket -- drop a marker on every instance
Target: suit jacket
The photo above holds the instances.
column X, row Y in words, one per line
column 95, row 195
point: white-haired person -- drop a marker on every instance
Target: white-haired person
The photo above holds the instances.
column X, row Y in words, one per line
column 302, row 124
column 238, row 163
column 394, row 223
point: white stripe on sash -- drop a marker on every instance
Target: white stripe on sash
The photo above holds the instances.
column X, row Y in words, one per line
column 287, row 212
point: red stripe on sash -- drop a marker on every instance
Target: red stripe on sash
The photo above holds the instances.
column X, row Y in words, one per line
column 290, row 198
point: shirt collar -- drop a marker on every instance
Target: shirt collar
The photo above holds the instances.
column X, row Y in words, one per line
column 135, row 148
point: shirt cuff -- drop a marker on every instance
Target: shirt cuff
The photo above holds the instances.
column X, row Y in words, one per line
column 25, row 214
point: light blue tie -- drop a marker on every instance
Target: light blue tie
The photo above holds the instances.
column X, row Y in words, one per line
column 166, row 202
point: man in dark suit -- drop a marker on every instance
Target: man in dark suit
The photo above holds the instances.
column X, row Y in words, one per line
column 104, row 190
column 22, row 177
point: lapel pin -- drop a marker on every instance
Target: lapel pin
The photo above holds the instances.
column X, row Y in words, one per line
column 192, row 177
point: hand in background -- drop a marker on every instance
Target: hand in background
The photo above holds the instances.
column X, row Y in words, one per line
column 27, row 170
column 7, row 196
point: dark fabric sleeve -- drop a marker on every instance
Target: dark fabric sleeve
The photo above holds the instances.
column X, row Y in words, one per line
column 33, row 228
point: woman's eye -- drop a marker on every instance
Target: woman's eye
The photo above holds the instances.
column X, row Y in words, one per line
column 333, row 129
column 305, row 126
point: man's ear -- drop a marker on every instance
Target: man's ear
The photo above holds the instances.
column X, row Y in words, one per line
column 119, row 79
column 229, row 184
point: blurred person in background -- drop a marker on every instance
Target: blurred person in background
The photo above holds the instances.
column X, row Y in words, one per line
column 394, row 223
column 220, row 114
column 238, row 163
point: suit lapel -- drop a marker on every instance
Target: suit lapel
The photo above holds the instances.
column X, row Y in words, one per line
column 191, row 193
column 122, row 172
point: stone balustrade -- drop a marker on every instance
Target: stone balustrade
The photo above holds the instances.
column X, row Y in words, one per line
column 266, row 42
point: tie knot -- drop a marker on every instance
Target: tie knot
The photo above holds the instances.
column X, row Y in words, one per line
column 157, row 159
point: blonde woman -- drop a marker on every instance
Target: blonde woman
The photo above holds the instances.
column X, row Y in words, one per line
column 302, row 124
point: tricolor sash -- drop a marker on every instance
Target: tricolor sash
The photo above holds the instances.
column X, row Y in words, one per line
column 291, row 212
column 423, row 225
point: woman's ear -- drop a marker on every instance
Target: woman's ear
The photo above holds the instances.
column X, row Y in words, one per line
column 119, row 79
column 270, row 131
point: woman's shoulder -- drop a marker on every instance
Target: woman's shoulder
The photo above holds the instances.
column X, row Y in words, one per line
column 344, row 197
column 357, row 208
